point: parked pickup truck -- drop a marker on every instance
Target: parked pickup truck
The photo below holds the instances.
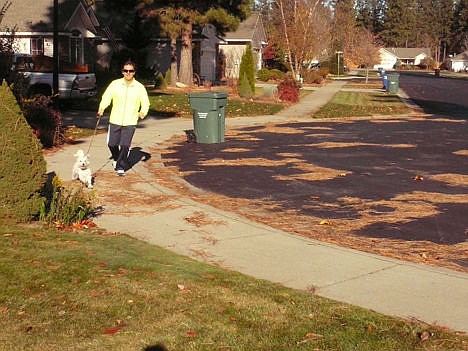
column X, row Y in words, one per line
column 37, row 79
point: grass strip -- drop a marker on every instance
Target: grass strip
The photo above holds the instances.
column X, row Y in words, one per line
column 92, row 290
column 359, row 104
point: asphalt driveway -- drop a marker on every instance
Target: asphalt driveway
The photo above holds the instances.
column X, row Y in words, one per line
column 380, row 185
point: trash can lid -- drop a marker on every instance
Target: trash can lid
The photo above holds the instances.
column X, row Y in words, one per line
column 209, row 94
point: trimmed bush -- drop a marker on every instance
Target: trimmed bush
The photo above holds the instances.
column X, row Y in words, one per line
column 312, row 77
column 22, row 165
column 276, row 74
column 266, row 74
column 288, row 90
column 263, row 74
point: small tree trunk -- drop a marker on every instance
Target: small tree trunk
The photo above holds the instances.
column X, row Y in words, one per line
column 174, row 69
column 186, row 67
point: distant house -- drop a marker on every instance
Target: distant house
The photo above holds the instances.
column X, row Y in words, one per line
column 33, row 25
column 215, row 57
column 250, row 31
column 459, row 63
column 392, row 57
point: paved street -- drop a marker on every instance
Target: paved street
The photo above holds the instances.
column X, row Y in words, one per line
column 442, row 95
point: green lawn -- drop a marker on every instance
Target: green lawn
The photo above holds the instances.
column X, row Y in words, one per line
column 91, row 290
column 356, row 104
column 177, row 105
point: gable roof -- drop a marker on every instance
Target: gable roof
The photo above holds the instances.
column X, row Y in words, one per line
column 407, row 53
column 248, row 30
column 37, row 16
column 461, row 57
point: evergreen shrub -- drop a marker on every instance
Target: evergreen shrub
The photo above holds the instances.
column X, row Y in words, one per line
column 160, row 82
column 247, row 67
column 276, row 74
column 167, row 77
column 22, row 165
column 263, row 74
column 245, row 90
column 288, row 90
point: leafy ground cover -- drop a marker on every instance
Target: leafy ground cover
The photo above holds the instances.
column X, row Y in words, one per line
column 91, row 290
column 356, row 104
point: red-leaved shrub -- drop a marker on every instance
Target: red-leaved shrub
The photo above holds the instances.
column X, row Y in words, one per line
column 288, row 90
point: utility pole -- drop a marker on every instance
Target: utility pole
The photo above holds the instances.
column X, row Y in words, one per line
column 55, row 79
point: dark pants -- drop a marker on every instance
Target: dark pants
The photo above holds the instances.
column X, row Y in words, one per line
column 119, row 139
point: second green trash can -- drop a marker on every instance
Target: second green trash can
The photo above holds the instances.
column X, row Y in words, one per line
column 393, row 82
column 208, row 116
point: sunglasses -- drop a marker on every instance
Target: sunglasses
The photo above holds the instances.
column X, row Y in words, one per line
column 128, row 71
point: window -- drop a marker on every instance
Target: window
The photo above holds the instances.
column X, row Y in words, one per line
column 76, row 47
column 37, row 46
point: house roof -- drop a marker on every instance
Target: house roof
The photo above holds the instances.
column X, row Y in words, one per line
column 247, row 29
column 407, row 53
column 37, row 15
column 461, row 57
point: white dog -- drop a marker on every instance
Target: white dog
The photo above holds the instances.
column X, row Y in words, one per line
column 81, row 169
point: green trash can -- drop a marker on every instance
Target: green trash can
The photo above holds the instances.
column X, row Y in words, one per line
column 393, row 82
column 208, row 116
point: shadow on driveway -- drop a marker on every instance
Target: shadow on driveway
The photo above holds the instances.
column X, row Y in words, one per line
column 399, row 179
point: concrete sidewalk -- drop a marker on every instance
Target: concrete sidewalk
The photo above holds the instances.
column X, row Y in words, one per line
column 434, row 295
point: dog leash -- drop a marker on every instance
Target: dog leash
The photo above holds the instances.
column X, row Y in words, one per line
column 94, row 134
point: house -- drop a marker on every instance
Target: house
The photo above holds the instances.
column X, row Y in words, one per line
column 214, row 57
column 459, row 63
column 84, row 42
column 32, row 22
column 390, row 58
column 250, row 31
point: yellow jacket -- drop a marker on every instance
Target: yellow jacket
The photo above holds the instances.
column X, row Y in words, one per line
column 128, row 100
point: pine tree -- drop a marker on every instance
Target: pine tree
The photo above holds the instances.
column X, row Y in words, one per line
column 370, row 14
column 437, row 16
column 459, row 28
column 400, row 23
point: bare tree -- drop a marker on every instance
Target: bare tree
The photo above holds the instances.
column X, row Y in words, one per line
column 360, row 48
column 302, row 31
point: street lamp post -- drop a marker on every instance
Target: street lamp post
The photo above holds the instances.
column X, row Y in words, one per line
column 338, row 53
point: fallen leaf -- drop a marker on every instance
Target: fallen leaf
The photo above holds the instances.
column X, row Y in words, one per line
column 180, row 286
column 324, row 222
column 418, row 177
column 425, row 336
column 113, row 330
column 192, row 333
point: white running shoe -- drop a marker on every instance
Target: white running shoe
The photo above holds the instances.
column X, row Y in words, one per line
column 121, row 172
